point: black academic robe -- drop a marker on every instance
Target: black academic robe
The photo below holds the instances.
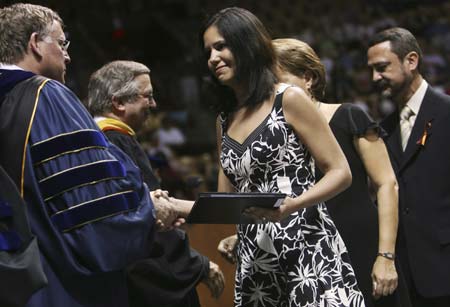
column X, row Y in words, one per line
column 170, row 276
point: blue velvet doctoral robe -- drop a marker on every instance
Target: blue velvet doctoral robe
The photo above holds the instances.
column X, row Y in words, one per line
column 87, row 204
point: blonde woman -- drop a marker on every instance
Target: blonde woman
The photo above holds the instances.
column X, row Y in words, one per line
column 369, row 231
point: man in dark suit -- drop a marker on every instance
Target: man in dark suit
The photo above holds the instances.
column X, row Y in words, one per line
column 418, row 141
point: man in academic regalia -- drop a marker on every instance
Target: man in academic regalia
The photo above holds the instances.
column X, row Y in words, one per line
column 120, row 97
column 86, row 202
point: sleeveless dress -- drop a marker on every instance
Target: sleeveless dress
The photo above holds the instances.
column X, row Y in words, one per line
column 353, row 211
column 301, row 261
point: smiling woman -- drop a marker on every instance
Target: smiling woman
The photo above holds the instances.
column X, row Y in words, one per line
column 221, row 61
column 267, row 135
column 232, row 55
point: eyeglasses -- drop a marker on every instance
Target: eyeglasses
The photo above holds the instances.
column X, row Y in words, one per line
column 63, row 43
column 148, row 96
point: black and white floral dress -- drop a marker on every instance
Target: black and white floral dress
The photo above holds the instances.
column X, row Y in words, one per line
column 301, row 261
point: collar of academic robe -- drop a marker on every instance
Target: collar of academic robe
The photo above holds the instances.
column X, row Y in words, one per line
column 10, row 78
column 428, row 112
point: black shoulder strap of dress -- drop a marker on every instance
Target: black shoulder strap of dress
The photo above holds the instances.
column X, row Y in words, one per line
column 279, row 97
column 223, row 118
column 16, row 113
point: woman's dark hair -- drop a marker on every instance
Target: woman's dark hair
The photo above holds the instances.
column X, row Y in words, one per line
column 251, row 45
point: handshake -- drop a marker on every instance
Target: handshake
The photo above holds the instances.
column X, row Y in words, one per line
column 170, row 212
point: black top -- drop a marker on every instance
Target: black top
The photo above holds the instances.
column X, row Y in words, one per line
column 134, row 150
column 169, row 276
column 353, row 211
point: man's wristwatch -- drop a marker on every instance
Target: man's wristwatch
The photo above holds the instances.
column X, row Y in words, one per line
column 388, row 255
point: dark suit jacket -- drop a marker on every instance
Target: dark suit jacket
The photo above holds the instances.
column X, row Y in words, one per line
column 423, row 174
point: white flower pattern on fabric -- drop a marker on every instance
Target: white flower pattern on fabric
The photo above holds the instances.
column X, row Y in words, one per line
column 301, row 261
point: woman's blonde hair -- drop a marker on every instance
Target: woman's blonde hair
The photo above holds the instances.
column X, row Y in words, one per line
column 298, row 58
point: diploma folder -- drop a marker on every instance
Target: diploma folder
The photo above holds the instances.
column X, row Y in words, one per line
column 226, row 208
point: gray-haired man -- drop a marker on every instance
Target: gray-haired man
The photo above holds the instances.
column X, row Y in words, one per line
column 86, row 201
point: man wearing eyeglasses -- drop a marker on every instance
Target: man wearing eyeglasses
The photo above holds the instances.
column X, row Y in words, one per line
column 86, row 202
column 120, row 96
column 44, row 52
column 55, row 46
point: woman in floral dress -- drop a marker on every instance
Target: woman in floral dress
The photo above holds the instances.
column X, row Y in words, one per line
column 268, row 134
